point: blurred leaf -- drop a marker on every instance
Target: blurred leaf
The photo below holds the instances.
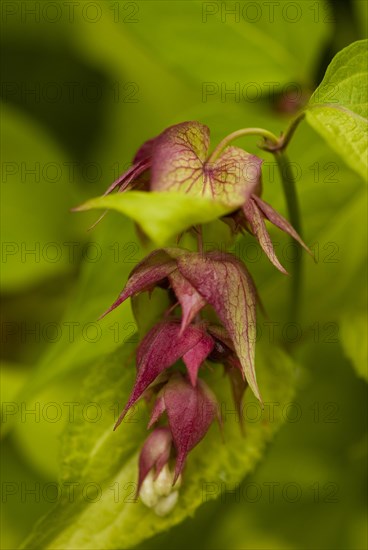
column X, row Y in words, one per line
column 20, row 509
column 354, row 340
column 112, row 254
column 360, row 8
column 149, row 308
column 162, row 215
column 40, row 420
column 333, row 210
column 338, row 109
column 144, row 96
column 310, row 456
column 95, row 453
column 13, row 376
column 260, row 43
column 37, row 193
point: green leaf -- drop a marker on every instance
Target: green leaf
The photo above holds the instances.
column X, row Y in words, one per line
column 37, row 193
column 94, row 454
column 37, row 434
column 235, row 46
column 83, row 339
column 162, row 215
column 360, row 8
column 338, row 109
column 13, row 376
column 354, row 340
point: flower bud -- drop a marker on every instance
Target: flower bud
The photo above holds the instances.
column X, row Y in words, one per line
column 155, row 454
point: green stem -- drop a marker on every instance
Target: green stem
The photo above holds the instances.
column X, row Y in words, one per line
column 285, row 138
column 268, row 137
column 199, row 239
column 292, row 203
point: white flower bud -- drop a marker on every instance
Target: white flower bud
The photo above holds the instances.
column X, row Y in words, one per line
column 147, row 491
column 166, row 504
column 163, row 482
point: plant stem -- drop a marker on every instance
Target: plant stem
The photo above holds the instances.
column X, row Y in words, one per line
column 199, row 239
column 285, row 138
column 291, row 129
column 268, row 137
column 292, row 203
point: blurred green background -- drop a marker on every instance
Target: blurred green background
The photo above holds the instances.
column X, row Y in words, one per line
column 83, row 85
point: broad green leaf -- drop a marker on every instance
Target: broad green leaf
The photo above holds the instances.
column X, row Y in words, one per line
column 236, row 48
column 18, row 512
column 330, row 418
column 338, row 109
column 162, row 215
column 40, row 419
column 94, row 454
column 354, row 340
column 37, row 193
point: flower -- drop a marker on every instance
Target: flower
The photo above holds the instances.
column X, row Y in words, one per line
column 251, row 217
column 178, row 160
column 223, row 352
column 155, row 479
column 155, row 453
column 215, row 278
column 137, row 173
column 190, row 411
column 164, row 344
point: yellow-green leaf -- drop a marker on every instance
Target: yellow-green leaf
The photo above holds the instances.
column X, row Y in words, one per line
column 338, row 109
column 161, row 215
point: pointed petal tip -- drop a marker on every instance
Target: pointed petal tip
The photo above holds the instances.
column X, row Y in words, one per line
column 151, row 423
column 118, row 422
column 257, row 394
column 176, row 477
column 183, row 326
column 310, row 252
column 78, row 208
column 123, row 413
column 255, row 218
column 103, row 315
column 116, row 304
column 193, row 378
column 97, row 221
column 259, row 397
column 180, row 461
column 111, row 308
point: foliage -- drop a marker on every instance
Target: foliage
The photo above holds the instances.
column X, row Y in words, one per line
column 178, row 79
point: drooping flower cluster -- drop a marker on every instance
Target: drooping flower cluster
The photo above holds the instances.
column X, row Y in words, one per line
column 178, row 160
